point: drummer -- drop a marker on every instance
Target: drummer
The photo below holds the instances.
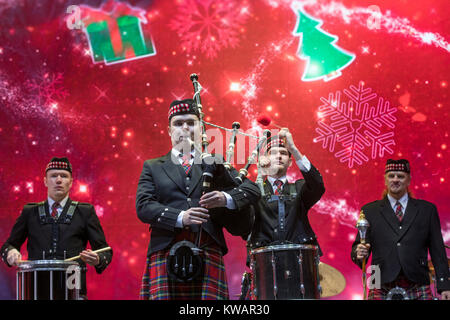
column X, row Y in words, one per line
column 272, row 227
column 58, row 227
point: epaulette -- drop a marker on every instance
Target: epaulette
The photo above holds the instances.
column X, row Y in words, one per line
column 33, row 204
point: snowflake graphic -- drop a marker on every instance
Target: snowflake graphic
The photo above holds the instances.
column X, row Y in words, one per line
column 209, row 25
column 356, row 125
column 48, row 89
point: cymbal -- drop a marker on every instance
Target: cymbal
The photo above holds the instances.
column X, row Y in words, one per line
column 331, row 280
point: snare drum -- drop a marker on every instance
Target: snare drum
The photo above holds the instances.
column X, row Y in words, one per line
column 48, row 280
column 283, row 272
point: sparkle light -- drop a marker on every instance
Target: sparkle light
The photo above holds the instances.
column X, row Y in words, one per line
column 235, row 87
column 365, row 50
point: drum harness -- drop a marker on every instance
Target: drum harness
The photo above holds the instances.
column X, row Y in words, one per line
column 44, row 219
column 282, row 199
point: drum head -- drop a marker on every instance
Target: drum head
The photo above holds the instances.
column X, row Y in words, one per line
column 42, row 265
column 283, row 247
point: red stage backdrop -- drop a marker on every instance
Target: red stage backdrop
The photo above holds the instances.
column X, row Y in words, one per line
column 357, row 82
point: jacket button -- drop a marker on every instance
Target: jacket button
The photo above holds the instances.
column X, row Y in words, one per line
column 400, row 227
column 159, row 219
column 188, row 199
column 398, row 244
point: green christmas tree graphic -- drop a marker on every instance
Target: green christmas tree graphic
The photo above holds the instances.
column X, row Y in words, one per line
column 325, row 60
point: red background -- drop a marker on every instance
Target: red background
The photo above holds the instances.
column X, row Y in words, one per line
column 109, row 118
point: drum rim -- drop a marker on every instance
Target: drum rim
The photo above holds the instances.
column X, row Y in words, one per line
column 48, row 264
column 280, row 247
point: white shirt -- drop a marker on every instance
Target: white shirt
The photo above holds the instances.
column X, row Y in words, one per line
column 230, row 202
column 61, row 205
column 403, row 200
column 303, row 164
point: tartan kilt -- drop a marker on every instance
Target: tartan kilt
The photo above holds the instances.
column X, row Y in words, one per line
column 157, row 285
column 413, row 291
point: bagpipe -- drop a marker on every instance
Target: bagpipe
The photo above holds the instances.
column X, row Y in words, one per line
column 185, row 259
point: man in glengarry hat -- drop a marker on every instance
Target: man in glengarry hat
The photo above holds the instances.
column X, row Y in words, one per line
column 169, row 198
column 58, row 227
column 402, row 232
column 281, row 216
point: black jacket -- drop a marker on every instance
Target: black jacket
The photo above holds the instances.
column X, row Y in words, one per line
column 72, row 236
column 164, row 191
column 404, row 245
column 303, row 195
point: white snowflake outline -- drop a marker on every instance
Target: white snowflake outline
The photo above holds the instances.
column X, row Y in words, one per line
column 356, row 125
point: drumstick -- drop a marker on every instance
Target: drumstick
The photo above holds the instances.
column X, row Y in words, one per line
column 22, row 261
column 96, row 251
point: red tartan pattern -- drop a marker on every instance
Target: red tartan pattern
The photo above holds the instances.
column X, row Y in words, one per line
column 413, row 290
column 398, row 211
column 156, row 285
column 279, row 187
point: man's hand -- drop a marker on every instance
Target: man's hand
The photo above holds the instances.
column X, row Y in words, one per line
column 362, row 251
column 213, row 199
column 290, row 145
column 90, row 257
column 13, row 257
column 196, row 215
column 264, row 166
column 445, row 295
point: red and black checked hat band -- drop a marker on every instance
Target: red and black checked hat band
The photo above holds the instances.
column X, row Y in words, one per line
column 59, row 164
column 179, row 107
column 274, row 141
column 397, row 165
